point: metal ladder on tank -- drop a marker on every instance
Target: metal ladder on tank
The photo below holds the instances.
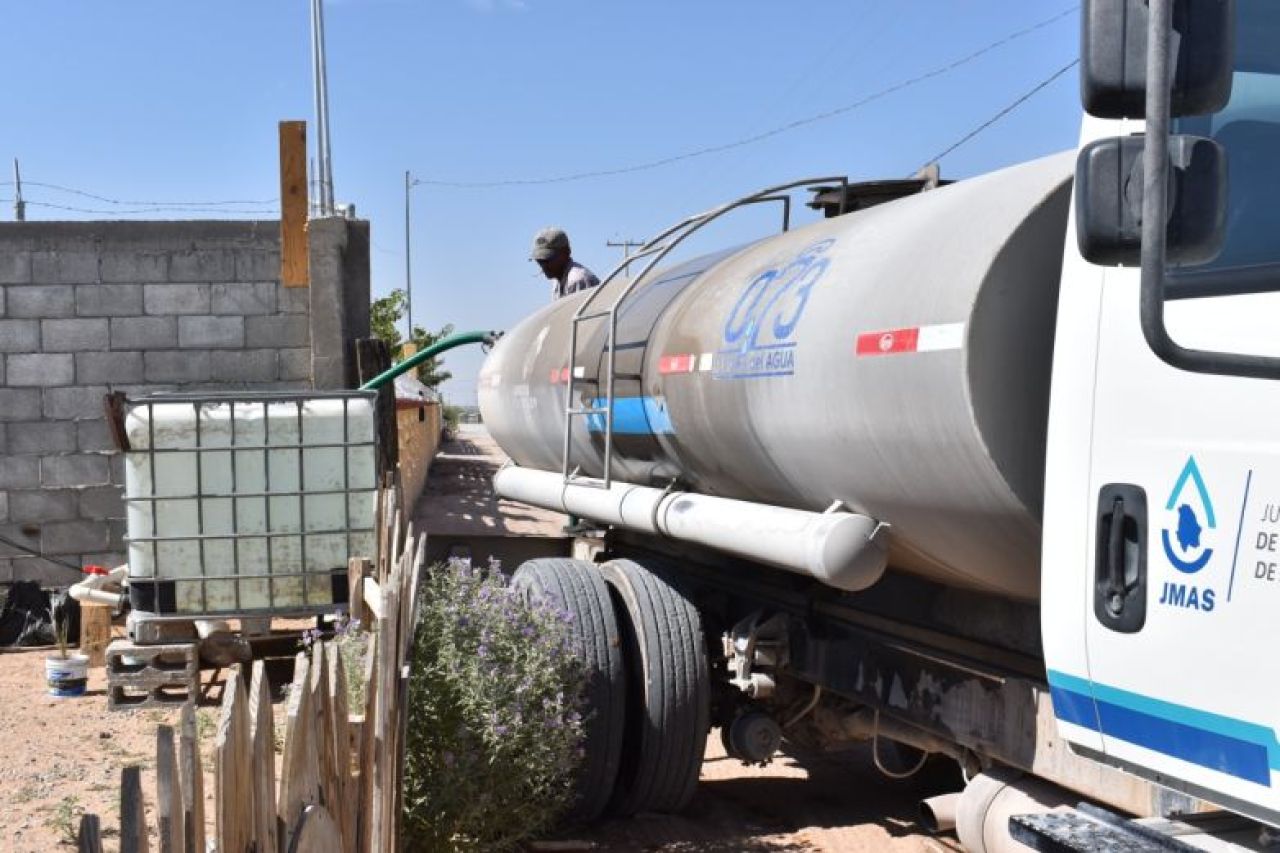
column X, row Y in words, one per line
column 654, row 250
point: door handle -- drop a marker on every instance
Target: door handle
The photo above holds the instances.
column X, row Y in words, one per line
column 1120, row 573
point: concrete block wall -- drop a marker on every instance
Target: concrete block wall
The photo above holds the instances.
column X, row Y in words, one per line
column 86, row 307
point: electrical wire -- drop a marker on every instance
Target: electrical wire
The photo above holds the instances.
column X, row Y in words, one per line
column 1022, row 99
column 759, row 137
column 167, row 209
column 106, row 200
column 29, row 550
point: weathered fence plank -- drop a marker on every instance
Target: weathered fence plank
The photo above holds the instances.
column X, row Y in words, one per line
column 263, row 741
column 133, row 815
column 190, row 768
column 233, row 769
column 300, row 773
column 169, row 811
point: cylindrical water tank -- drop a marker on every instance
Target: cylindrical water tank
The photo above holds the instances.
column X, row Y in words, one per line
column 895, row 360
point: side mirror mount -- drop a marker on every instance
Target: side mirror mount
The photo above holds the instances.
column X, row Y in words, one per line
column 1113, row 57
column 1109, row 196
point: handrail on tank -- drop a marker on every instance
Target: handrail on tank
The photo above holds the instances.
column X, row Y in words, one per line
column 658, row 250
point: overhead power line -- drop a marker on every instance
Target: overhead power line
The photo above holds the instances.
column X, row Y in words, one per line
column 767, row 134
column 107, row 200
column 1022, row 99
column 161, row 209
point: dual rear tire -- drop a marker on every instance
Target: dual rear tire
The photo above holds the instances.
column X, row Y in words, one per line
column 648, row 687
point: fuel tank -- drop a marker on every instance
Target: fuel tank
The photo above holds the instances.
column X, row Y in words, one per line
column 894, row 361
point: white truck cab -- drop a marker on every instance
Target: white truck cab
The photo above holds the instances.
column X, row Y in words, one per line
column 1161, row 550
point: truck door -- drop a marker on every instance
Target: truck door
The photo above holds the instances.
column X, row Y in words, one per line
column 1182, row 510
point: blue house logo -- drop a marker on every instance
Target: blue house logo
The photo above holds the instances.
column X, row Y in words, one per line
column 1191, row 520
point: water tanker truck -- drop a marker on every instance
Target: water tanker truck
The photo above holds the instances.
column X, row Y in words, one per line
column 986, row 469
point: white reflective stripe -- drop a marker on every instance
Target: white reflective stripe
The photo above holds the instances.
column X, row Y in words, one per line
column 940, row 337
column 704, row 361
column 579, row 372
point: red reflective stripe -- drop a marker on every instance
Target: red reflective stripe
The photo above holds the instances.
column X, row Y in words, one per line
column 560, row 377
column 888, row 342
column 677, row 364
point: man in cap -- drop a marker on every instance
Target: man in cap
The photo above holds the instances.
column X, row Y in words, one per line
column 551, row 251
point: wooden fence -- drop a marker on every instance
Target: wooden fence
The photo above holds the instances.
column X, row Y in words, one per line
column 337, row 788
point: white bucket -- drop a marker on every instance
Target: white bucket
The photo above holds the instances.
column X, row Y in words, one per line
column 67, row 676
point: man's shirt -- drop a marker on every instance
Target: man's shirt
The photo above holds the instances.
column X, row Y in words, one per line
column 576, row 277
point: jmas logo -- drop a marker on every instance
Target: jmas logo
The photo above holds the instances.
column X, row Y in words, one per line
column 1187, row 537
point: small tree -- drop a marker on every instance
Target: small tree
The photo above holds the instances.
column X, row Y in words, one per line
column 388, row 311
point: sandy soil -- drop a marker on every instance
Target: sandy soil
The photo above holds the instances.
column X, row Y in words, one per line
column 64, row 756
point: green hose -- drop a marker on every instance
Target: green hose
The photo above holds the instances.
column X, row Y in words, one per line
column 460, row 339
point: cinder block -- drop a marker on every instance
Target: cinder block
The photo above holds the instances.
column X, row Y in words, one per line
column 111, row 368
column 65, row 267
column 240, row 366
column 73, row 537
column 278, row 330
column 47, row 573
column 110, row 559
column 144, row 333
column 2, row 302
column 81, row 469
column 117, row 469
column 19, row 404
column 41, row 370
column 210, row 332
column 19, row 335
column 42, row 301
column 175, row 298
column 175, row 366
column 136, row 267
column 44, row 505
column 42, row 437
column 75, row 335
column 94, row 437
column 26, row 536
column 15, row 267
column 19, row 472
column 117, row 529
column 258, row 265
column 109, row 300
column 244, row 297
column 102, row 502
column 294, row 300
column 202, row 265
column 74, row 403
column 4, row 506
column 295, row 364
column 148, row 676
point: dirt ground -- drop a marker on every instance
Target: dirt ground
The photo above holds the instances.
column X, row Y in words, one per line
column 64, row 756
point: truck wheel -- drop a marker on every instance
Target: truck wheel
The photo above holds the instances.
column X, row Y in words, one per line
column 576, row 586
column 668, row 709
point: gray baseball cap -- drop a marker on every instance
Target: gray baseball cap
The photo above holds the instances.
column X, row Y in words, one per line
column 547, row 242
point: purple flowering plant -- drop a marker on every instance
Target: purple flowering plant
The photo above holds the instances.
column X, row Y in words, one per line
column 495, row 726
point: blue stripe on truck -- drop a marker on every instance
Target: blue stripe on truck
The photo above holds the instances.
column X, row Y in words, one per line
column 634, row 416
column 1245, row 750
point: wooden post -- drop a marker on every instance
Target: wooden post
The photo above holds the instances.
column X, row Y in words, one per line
column 233, row 777
column 89, row 839
column 294, row 248
column 133, row 815
column 358, row 568
column 300, row 772
column 262, row 737
column 95, row 632
column 192, row 772
column 368, row 747
column 169, row 812
column 385, row 727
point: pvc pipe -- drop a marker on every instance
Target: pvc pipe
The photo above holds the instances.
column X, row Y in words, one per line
column 90, row 589
column 938, row 814
column 991, row 798
column 844, row 550
column 460, row 339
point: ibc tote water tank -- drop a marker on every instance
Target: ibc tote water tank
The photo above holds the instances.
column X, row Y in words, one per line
column 895, row 360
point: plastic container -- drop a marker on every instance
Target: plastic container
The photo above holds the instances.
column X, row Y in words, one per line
column 248, row 503
column 66, row 676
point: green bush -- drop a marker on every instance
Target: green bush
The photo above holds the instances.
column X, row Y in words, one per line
column 494, row 730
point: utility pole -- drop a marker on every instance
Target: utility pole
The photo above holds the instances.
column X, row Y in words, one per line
column 409, row 183
column 626, row 246
column 320, row 85
column 19, row 206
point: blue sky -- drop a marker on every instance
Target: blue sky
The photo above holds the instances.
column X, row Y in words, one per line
column 156, row 100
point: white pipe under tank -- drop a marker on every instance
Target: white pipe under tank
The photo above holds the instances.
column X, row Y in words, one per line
column 842, row 549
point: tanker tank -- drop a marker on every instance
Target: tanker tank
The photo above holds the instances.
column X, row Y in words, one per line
column 894, row 362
